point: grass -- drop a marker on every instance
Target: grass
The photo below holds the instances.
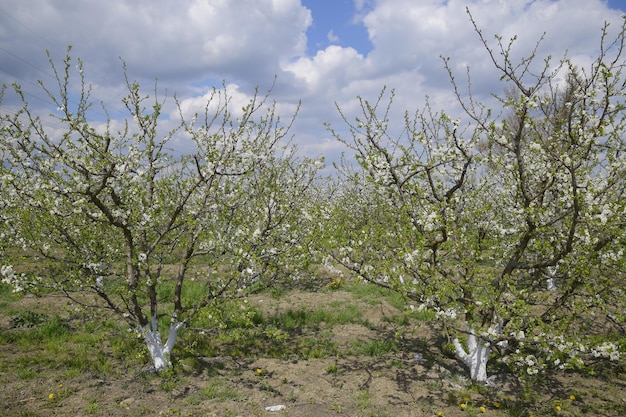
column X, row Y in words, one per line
column 51, row 342
column 296, row 333
column 375, row 348
column 93, row 407
column 220, row 391
column 297, row 320
column 332, row 369
column 300, row 333
column 374, row 295
column 54, row 347
column 52, row 329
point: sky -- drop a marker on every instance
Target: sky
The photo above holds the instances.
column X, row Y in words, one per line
column 322, row 53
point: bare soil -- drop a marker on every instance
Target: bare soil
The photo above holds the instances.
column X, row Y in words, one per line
column 417, row 379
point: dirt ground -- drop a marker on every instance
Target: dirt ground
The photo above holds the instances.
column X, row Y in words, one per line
column 416, row 380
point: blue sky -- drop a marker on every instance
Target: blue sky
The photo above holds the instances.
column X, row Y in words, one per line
column 617, row 4
column 322, row 52
column 336, row 23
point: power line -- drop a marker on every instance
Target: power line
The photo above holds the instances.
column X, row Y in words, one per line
column 45, row 100
column 26, row 62
column 39, row 86
column 37, row 68
column 4, row 12
column 44, row 121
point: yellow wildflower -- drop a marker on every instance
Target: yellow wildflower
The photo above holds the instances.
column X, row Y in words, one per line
column 482, row 409
column 51, row 396
column 572, row 397
column 557, row 408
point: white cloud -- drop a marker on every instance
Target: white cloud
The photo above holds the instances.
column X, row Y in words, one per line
column 213, row 101
column 409, row 38
column 328, row 68
column 193, row 45
column 413, row 35
column 168, row 40
column 332, row 37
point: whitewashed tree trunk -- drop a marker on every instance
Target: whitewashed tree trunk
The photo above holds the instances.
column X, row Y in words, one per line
column 159, row 351
column 551, row 279
column 475, row 357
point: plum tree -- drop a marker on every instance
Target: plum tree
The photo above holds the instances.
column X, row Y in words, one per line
column 157, row 236
column 472, row 216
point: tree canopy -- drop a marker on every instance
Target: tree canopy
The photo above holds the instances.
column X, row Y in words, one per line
column 121, row 215
column 507, row 221
column 476, row 217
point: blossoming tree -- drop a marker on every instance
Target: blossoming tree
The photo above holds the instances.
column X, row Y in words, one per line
column 155, row 236
column 472, row 217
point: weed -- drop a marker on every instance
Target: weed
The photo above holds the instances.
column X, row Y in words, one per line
column 217, row 390
column 375, row 347
column 27, row 319
column 517, row 409
column 292, row 320
column 317, row 347
column 434, row 386
column 397, row 363
column 363, row 399
column 189, row 364
column 26, row 373
column 398, row 319
column 276, row 292
column 130, row 349
column 7, row 294
column 298, row 320
column 449, row 350
column 335, row 284
column 54, row 328
column 332, row 369
column 169, row 380
column 373, row 294
column 452, row 399
column 93, row 407
column 51, row 346
column 424, row 315
column 339, row 313
column 293, row 397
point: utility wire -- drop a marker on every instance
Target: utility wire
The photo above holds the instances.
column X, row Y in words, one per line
column 4, row 12
column 37, row 68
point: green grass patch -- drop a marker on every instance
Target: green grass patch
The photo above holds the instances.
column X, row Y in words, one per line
column 291, row 334
column 27, row 319
column 218, row 390
column 374, row 348
column 50, row 342
column 52, row 328
column 317, row 347
column 297, row 320
column 7, row 295
column 424, row 315
column 257, row 343
column 373, row 294
column 192, row 292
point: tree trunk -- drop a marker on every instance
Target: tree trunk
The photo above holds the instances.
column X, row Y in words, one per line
column 159, row 351
column 476, row 356
column 551, row 279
